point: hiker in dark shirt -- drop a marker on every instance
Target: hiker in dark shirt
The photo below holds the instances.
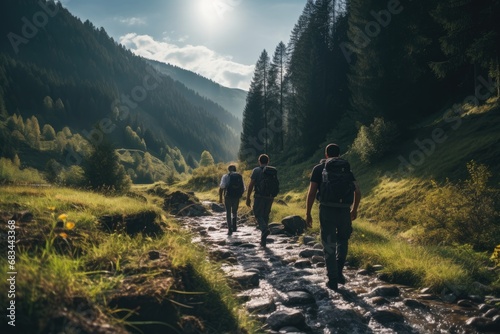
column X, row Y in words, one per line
column 262, row 201
column 335, row 220
column 232, row 186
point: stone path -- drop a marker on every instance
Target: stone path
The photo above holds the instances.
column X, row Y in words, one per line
column 283, row 285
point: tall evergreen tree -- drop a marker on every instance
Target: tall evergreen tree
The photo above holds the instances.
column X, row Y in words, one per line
column 277, row 94
column 255, row 135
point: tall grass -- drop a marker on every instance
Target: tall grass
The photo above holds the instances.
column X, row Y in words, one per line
column 11, row 173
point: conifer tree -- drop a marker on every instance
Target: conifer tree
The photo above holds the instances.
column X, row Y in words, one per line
column 254, row 138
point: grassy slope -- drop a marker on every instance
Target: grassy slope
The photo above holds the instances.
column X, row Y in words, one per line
column 389, row 201
column 100, row 270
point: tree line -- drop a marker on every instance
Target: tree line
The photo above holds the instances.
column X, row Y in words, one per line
column 352, row 64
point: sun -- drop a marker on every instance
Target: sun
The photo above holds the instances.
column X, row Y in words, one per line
column 207, row 13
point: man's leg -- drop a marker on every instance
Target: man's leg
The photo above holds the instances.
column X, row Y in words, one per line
column 227, row 203
column 329, row 241
column 344, row 232
column 234, row 210
column 260, row 208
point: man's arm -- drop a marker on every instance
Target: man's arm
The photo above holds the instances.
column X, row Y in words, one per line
column 249, row 192
column 357, row 199
column 311, row 196
column 221, row 190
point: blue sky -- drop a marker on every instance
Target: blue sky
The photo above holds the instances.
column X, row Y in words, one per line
column 219, row 39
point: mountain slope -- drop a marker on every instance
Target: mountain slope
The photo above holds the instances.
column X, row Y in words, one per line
column 96, row 79
column 231, row 99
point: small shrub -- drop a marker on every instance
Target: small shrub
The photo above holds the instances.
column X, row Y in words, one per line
column 373, row 140
column 463, row 213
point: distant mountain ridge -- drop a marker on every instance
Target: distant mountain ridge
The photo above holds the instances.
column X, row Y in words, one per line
column 231, row 99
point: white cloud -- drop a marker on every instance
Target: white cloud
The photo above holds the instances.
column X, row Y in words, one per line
column 132, row 21
column 197, row 58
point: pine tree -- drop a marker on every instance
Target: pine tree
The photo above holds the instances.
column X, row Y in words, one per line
column 255, row 135
column 277, row 94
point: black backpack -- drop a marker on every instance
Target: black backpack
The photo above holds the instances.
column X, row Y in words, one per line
column 235, row 188
column 268, row 184
column 337, row 186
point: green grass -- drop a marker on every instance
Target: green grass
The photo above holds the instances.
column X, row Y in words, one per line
column 90, row 265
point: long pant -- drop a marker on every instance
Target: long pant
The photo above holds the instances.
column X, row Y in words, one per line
column 232, row 204
column 262, row 210
column 336, row 229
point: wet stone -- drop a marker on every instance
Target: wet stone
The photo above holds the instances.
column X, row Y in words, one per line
column 247, row 245
column 492, row 313
column 386, row 315
column 484, row 307
column 385, row 291
column 427, row 296
column 261, row 306
column 307, row 253
column 318, row 246
column 290, row 330
column 246, row 280
column 284, row 318
column 294, row 224
column 302, row 264
column 466, row 303
column 483, row 324
column 413, row 303
column 378, row 301
column 317, row 259
column 298, row 298
column 217, row 207
column 449, row 298
column 363, row 272
column 307, row 239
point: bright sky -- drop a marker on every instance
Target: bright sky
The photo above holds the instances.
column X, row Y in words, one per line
column 219, row 39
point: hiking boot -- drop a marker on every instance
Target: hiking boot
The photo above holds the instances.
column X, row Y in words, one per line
column 341, row 278
column 263, row 238
column 332, row 284
column 230, row 231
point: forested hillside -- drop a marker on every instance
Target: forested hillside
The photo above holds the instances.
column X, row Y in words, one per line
column 352, row 68
column 231, row 99
column 64, row 83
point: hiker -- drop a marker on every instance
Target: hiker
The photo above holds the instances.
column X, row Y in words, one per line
column 264, row 179
column 232, row 186
column 333, row 183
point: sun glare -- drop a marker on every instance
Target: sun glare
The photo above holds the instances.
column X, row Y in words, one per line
column 207, row 13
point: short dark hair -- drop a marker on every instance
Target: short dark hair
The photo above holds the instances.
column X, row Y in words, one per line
column 332, row 150
column 263, row 159
column 231, row 168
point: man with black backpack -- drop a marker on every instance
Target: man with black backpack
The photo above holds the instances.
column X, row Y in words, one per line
column 265, row 181
column 334, row 185
column 233, row 188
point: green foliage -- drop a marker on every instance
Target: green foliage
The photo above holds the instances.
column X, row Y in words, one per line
column 103, row 171
column 73, row 176
column 465, row 212
column 206, row 159
column 205, row 178
column 375, row 140
column 11, row 173
column 48, row 132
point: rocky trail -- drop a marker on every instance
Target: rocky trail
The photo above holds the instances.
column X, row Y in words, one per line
column 284, row 286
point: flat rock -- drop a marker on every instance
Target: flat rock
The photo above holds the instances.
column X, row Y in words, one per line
column 261, row 306
column 246, row 279
column 299, row 298
column 285, row 318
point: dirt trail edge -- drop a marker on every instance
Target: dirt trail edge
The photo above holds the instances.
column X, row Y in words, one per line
column 284, row 286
